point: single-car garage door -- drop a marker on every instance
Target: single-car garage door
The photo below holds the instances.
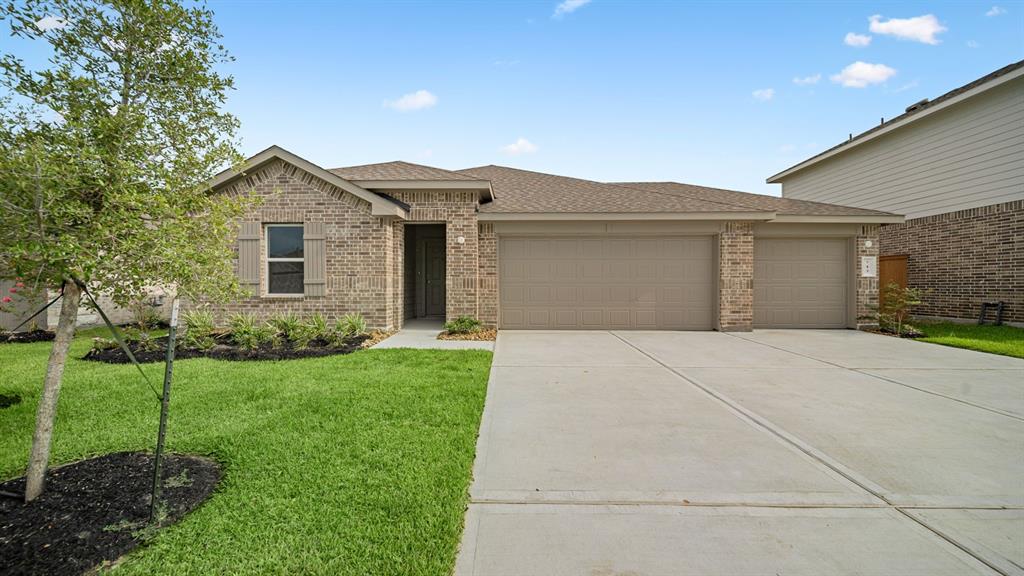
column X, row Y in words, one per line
column 800, row 282
column 664, row 283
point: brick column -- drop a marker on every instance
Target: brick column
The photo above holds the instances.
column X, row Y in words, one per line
column 867, row 288
column 736, row 277
column 488, row 288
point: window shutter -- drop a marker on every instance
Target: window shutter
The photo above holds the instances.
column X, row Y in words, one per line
column 315, row 254
column 249, row 256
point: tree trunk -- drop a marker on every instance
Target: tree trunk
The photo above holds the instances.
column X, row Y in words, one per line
column 47, row 411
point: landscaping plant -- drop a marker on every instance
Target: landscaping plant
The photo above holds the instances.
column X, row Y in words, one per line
column 462, row 325
column 199, row 330
column 351, row 325
column 897, row 303
column 248, row 332
column 106, row 147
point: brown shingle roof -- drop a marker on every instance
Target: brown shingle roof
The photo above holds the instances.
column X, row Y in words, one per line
column 523, row 191
column 781, row 206
column 397, row 170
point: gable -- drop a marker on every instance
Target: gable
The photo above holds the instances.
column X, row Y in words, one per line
column 319, row 177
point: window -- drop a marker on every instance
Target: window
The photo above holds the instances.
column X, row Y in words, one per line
column 285, row 259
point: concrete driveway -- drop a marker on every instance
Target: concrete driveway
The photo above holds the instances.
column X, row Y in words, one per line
column 772, row 452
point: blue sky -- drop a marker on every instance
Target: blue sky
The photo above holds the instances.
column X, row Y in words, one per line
column 602, row 90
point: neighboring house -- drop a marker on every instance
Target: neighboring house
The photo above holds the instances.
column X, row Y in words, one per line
column 955, row 167
column 520, row 249
column 18, row 310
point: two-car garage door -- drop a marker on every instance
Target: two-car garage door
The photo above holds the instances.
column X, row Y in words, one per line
column 664, row 283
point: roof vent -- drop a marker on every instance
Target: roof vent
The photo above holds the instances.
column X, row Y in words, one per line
column 917, row 105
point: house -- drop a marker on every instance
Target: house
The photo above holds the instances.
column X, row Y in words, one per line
column 17, row 313
column 520, row 249
column 955, row 167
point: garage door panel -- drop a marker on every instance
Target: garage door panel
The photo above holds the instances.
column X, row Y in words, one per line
column 800, row 282
column 607, row 283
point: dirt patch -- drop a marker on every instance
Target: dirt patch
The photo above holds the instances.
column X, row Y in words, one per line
column 26, row 337
column 95, row 511
column 224, row 350
column 479, row 335
column 9, row 400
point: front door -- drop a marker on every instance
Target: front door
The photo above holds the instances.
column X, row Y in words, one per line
column 434, row 276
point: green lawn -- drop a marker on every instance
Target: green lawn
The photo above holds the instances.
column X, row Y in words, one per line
column 353, row 464
column 1005, row 340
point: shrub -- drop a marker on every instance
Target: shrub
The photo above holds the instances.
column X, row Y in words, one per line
column 351, row 325
column 249, row 333
column 462, row 325
column 199, row 329
column 142, row 339
column 101, row 344
column 147, row 317
column 288, row 325
column 317, row 327
column 895, row 309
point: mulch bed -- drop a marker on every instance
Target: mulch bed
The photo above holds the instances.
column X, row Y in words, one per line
column 94, row 511
column 479, row 335
column 25, row 337
column 226, row 351
column 910, row 335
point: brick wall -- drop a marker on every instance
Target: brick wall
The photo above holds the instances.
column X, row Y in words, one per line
column 359, row 246
column 488, row 274
column 964, row 258
column 736, row 277
column 457, row 210
column 867, row 287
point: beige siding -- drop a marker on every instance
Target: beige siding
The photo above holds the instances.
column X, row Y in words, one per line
column 967, row 156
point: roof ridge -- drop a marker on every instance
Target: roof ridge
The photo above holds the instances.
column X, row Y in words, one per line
column 688, row 194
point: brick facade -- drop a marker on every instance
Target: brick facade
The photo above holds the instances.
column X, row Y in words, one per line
column 457, row 210
column 736, row 277
column 866, row 286
column 365, row 254
column 368, row 265
column 964, row 258
column 488, row 275
column 357, row 253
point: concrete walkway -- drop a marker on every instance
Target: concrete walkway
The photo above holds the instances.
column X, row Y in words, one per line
column 423, row 334
column 789, row 452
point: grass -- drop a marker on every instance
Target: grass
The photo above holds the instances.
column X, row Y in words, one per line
column 353, row 464
column 1005, row 340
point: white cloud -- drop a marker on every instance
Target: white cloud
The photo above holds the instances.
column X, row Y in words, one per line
column 568, row 7
column 47, row 23
column 858, row 40
column 973, row 44
column 861, row 74
column 426, row 153
column 764, row 94
column 804, row 81
column 919, row 28
column 519, row 147
column 995, row 11
column 907, row 86
column 418, row 100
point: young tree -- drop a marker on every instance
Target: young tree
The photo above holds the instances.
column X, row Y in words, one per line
column 104, row 156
